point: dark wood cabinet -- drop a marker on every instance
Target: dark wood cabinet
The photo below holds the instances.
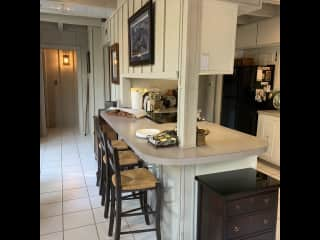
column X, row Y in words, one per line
column 237, row 205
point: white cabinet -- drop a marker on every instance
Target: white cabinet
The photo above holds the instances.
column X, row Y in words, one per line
column 268, row 31
column 218, row 33
column 247, row 35
column 269, row 129
column 262, row 33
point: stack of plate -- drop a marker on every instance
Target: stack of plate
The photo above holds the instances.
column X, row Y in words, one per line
column 145, row 132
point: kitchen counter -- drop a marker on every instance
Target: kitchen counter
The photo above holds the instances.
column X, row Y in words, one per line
column 222, row 143
column 275, row 113
column 176, row 168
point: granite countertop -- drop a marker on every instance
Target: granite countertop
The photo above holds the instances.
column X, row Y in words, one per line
column 222, row 143
column 275, row 113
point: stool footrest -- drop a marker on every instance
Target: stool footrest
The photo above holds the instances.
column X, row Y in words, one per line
column 131, row 210
column 137, row 214
column 139, row 231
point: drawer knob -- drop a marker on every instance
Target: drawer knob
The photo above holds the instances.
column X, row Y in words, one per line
column 236, row 229
column 266, row 200
column 237, row 206
column 265, row 221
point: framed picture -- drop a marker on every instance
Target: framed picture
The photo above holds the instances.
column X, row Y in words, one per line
column 114, row 63
column 141, row 36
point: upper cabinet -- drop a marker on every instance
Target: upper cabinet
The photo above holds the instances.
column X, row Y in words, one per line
column 247, row 35
column 263, row 33
column 269, row 31
column 218, row 37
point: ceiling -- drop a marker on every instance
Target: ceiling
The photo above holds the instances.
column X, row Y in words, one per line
column 81, row 8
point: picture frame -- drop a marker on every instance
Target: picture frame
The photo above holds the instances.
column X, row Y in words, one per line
column 141, row 36
column 114, row 63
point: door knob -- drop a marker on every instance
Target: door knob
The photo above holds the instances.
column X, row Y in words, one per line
column 55, row 82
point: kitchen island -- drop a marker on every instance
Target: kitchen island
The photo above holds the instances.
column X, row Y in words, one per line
column 226, row 150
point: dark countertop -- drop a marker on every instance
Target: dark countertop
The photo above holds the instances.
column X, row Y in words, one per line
column 246, row 180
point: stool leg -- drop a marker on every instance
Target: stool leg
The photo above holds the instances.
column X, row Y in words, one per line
column 144, row 206
column 102, row 179
column 98, row 172
column 158, row 209
column 112, row 213
column 107, row 201
column 118, row 217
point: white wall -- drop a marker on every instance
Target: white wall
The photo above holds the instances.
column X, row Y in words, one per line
column 71, row 36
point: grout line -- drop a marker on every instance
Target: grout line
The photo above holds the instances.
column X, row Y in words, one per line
column 78, row 152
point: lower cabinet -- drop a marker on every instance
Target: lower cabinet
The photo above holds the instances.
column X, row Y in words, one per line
column 237, row 206
column 269, row 129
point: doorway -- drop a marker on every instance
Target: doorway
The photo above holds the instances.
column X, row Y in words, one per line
column 60, row 88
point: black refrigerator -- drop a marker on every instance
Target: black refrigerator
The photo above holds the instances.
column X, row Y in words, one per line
column 246, row 91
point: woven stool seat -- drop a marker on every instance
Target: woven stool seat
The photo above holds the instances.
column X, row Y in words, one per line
column 136, row 179
column 126, row 157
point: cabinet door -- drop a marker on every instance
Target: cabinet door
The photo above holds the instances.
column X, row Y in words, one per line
column 218, row 32
column 275, row 155
column 266, row 130
column 247, row 36
column 269, row 32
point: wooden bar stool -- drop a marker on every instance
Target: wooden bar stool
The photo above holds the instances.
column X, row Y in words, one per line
column 138, row 181
column 127, row 160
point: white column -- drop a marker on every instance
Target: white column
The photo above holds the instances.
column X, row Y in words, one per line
column 189, row 70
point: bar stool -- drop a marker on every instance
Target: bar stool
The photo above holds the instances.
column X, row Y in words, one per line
column 138, row 181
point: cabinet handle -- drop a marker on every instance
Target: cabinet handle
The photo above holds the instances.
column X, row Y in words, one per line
column 265, row 221
column 236, row 229
column 238, row 207
column 266, row 200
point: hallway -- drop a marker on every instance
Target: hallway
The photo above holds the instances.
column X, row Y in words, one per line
column 70, row 204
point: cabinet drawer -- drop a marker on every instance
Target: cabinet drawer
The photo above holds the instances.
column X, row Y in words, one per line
column 242, row 225
column 254, row 203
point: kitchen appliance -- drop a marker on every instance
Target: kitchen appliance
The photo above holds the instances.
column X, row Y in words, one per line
column 163, row 116
column 137, row 97
column 245, row 92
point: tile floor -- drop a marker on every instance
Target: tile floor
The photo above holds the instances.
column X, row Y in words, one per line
column 69, row 201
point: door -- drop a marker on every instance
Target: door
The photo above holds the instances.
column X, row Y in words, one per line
column 60, row 87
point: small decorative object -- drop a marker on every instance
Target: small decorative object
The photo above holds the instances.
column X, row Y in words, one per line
column 276, row 100
column 165, row 138
column 114, row 63
column 201, row 136
column 141, row 36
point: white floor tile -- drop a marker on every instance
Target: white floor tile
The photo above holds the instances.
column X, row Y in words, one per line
column 52, row 236
column 91, row 181
column 145, row 236
column 78, row 219
column 83, row 233
column 72, row 194
column 51, row 209
column 76, row 205
column 53, row 187
column 93, row 191
column 95, row 201
column 50, row 225
column 99, row 214
column 103, row 231
column 74, row 183
column 51, row 197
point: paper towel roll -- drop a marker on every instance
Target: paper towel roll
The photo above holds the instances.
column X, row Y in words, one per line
column 136, row 97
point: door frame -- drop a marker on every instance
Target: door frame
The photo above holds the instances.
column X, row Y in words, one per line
column 79, row 82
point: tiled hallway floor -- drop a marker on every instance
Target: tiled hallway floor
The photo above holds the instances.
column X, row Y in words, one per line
column 70, row 206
